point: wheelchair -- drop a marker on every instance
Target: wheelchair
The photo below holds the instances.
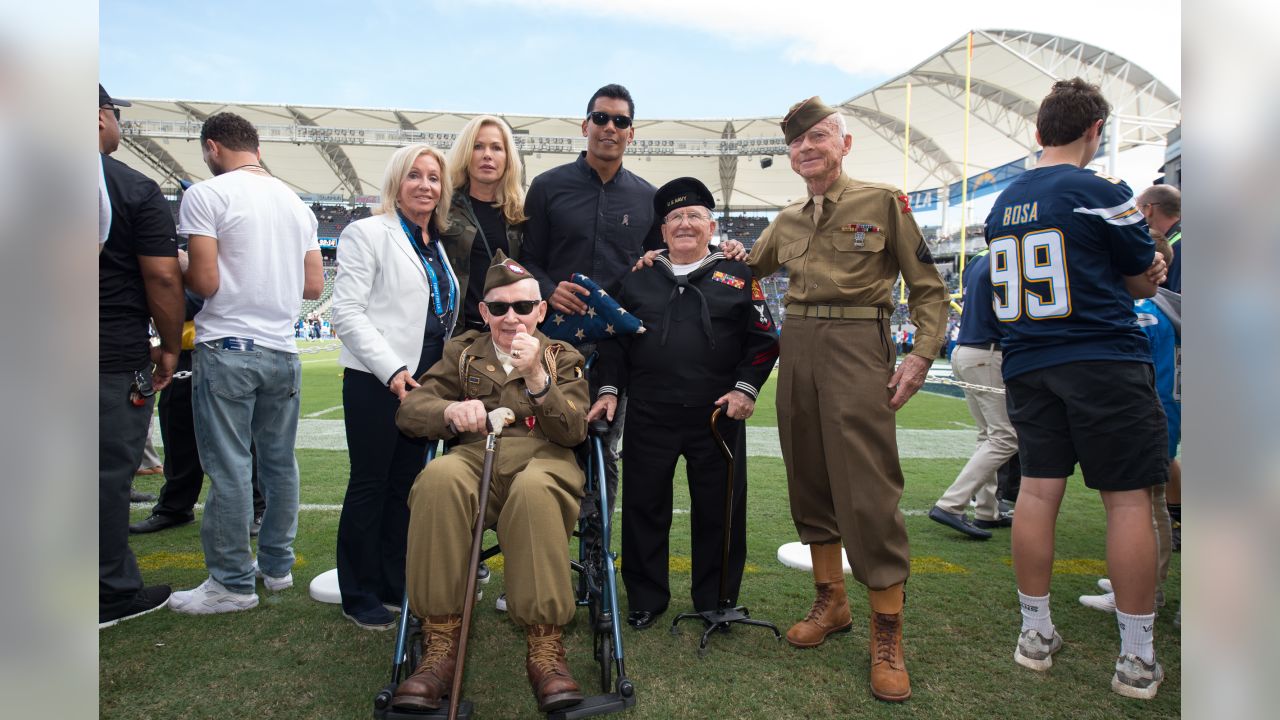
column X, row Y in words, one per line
column 596, row 589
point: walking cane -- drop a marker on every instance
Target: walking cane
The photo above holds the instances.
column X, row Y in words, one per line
column 498, row 419
column 725, row 613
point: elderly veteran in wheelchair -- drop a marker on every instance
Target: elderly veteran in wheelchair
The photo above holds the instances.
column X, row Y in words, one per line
column 534, row 497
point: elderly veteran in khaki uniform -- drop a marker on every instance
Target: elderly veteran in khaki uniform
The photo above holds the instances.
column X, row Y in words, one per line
column 843, row 246
column 535, row 491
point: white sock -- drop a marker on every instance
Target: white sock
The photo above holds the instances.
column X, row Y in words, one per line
column 1136, row 636
column 1035, row 614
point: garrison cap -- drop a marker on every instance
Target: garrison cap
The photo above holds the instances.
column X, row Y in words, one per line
column 504, row 271
column 804, row 115
column 681, row 192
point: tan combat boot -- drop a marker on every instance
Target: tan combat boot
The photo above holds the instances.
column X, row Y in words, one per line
column 549, row 676
column 434, row 676
column 889, row 679
column 830, row 611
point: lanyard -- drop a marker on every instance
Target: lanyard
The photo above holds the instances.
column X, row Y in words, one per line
column 439, row 306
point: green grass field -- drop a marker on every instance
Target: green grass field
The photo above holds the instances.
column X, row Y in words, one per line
column 295, row 658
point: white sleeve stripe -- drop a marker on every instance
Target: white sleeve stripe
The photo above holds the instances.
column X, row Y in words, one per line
column 746, row 388
column 607, row 390
column 1126, row 213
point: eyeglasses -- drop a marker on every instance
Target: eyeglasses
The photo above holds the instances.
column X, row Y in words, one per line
column 622, row 122
column 522, row 307
column 692, row 217
column 114, row 110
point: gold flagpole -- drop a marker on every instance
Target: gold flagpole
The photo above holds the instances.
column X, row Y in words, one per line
column 964, row 181
column 906, row 146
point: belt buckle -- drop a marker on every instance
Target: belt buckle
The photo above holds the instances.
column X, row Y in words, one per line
column 237, row 344
column 822, row 312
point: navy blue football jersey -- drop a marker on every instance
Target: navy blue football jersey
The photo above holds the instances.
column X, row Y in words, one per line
column 1062, row 240
column 978, row 324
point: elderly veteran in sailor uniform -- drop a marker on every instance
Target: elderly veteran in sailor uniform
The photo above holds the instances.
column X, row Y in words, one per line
column 709, row 341
column 535, row 492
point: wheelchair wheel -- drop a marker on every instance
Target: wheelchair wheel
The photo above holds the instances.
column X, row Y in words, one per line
column 604, row 655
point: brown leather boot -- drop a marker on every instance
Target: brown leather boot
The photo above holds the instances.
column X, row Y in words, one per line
column 889, row 679
column 434, row 676
column 830, row 611
column 549, row 676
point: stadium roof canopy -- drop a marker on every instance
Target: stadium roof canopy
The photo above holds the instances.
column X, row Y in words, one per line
column 339, row 153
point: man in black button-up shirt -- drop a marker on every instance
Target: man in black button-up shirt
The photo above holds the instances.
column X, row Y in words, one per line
column 594, row 217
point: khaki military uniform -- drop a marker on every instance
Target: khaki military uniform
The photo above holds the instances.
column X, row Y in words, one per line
column 535, row 491
column 834, row 421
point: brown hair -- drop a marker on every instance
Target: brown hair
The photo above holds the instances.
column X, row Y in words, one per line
column 1069, row 110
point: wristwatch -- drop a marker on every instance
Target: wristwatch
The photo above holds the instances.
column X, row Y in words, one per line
column 546, row 388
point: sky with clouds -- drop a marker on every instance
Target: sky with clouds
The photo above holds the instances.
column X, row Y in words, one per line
column 680, row 58
column 689, row 59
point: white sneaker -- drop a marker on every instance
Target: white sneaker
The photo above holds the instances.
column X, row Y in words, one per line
column 211, row 598
column 1104, row 584
column 501, row 605
column 1103, row 603
column 1035, row 651
column 274, row 584
column 1135, row 678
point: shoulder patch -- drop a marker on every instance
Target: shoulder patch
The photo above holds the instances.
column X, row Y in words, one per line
column 904, row 201
column 757, row 292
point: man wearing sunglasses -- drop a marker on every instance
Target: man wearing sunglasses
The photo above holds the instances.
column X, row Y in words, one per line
column 138, row 280
column 592, row 216
column 535, row 492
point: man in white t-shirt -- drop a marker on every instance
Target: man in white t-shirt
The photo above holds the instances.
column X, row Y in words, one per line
column 254, row 257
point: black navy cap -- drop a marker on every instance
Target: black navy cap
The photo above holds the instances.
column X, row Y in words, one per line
column 679, row 193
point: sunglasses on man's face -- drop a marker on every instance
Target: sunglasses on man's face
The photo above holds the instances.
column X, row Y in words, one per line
column 523, row 307
column 114, row 110
column 622, row 122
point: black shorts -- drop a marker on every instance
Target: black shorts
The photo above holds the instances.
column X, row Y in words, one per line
column 1104, row 414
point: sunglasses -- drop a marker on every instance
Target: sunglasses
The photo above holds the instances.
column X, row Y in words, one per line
column 114, row 110
column 622, row 122
column 523, row 307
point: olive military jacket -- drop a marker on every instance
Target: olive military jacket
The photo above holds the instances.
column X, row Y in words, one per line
column 470, row 369
column 866, row 236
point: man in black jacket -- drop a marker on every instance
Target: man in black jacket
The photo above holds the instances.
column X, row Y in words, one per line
column 709, row 341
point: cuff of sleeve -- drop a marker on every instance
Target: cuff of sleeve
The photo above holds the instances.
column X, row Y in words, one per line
column 927, row 348
column 397, row 371
column 747, row 388
column 607, row 390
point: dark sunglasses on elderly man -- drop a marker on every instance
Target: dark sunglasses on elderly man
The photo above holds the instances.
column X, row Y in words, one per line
column 622, row 122
column 114, row 110
column 523, row 307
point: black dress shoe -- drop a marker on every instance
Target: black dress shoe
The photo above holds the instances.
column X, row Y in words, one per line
column 642, row 619
column 957, row 521
column 154, row 523
column 1003, row 521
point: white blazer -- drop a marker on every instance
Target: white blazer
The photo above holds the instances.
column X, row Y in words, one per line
column 381, row 297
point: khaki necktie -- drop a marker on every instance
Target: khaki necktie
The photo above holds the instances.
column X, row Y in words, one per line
column 817, row 209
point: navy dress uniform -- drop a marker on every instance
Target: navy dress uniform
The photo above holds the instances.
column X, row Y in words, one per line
column 708, row 331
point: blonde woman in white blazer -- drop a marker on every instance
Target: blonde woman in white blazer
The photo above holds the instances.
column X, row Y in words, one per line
column 395, row 302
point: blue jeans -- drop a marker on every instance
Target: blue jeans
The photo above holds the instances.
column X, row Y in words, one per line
column 244, row 398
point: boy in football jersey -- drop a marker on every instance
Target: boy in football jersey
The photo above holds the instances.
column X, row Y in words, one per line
column 1069, row 252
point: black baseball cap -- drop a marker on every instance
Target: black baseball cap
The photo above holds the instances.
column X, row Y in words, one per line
column 105, row 99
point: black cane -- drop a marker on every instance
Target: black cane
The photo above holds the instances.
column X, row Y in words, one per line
column 725, row 602
column 494, row 423
column 726, row 613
